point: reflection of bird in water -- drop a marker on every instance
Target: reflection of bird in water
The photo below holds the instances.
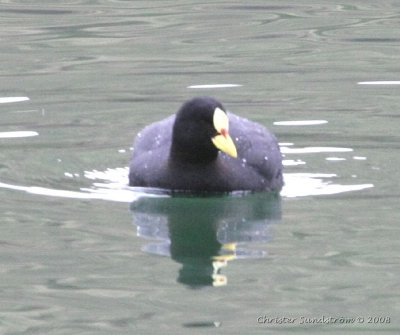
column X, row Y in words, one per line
column 194, row 244
column 205, row 149
column 205, row 233
column 220, row 261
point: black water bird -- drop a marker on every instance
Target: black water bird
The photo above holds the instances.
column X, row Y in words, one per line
column 204, row 148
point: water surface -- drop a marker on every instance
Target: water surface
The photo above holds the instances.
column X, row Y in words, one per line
column 82, row 253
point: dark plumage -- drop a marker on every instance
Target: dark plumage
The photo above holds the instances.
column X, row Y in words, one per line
column 180, row 152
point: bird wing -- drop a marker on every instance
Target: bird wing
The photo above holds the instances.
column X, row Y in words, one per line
column 256, row 146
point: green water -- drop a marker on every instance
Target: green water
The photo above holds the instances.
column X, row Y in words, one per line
column 80, row 253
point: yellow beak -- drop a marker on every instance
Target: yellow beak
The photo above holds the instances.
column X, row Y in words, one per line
column 223, row 141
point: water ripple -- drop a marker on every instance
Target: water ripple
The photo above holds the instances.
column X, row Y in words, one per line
column 111, row 185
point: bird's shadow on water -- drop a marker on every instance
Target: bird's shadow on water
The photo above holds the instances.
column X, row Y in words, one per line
column 205, row 233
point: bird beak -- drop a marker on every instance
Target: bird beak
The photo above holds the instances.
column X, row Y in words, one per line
column 223, row 141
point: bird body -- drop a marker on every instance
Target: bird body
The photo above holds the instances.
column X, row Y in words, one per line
column 186, row 152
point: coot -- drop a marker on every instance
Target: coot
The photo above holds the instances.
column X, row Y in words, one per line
column 204, row 148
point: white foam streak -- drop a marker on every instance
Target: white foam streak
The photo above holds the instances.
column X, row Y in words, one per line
column 300, row 123
column 311, row 150
column 7, row 100
column 382, row 82
column 16, row 134
column 113, row 195
column 312, row 184
column 214, row 86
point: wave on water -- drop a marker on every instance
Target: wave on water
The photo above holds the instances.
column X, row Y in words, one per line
column 111, row 185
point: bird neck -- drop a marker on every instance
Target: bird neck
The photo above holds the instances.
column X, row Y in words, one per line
column 192, row 154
